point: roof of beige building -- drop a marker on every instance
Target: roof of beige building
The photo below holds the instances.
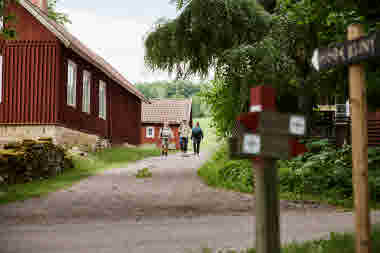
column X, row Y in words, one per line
column 172, row 110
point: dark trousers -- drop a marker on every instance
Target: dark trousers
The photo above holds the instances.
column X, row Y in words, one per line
column 196, row 144
column 183, row 142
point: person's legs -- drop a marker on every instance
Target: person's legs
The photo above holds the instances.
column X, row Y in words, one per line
column 185, row 140
column 195, row 146
column 198, row 146
column 181, row 143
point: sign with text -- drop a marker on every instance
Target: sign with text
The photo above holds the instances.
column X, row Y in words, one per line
column 348, row 52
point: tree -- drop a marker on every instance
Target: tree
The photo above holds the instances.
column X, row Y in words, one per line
column 193, row 42
column 280, row 55
column 59, row 17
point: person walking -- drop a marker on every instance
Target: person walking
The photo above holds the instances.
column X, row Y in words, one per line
column 184, row 132
column 166, row 134
column 196, row 137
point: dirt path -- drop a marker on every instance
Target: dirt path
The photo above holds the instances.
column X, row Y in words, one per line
column 174, row 191
column 115, row 210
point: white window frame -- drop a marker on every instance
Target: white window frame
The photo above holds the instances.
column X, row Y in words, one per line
column 2, row 23
column 102, row 99
column 1, row 79
column 147, row 132
column 86, row 97
column 71, row 83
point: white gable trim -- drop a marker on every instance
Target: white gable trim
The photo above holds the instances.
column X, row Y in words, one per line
column 43, row 21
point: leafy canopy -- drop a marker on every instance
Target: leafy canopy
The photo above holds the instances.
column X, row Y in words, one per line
column 193, row 42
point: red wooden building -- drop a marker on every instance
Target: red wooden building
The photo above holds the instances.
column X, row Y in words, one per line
column 155, row 113
column 53, row 85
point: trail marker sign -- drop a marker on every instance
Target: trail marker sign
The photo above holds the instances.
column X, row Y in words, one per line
column 348, row 52
column 265, row 134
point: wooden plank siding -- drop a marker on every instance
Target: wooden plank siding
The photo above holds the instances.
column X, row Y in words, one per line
column 34, row 90
column 123, row 118
column 28, row 82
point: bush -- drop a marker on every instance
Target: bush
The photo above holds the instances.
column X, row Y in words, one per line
column 327, row 172
column 220, row 171
column 144, row 173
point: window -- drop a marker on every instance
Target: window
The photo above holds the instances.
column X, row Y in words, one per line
column 1, row 79
column 71, row 83
column 102, row 100
column 86, row 91
column 150, row 132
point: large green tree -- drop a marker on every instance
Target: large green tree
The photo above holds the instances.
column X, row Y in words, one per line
column 278, row 55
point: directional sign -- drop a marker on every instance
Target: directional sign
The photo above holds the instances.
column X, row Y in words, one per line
column 348, row 52
column 274, row 123
column 269, row 137
column 254, row 145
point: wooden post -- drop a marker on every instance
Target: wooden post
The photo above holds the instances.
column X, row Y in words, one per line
column 267, row 206
column 263, row 98
column 359, row 148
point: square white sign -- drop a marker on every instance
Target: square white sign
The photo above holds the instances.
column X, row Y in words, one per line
column 297, row 125
column 251, row 144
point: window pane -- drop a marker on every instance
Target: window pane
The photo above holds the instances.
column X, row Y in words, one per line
column 102, row 99
column 71, row 83
column 86, row 91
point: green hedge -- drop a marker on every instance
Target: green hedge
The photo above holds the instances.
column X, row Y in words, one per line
column 220, row 171
column 324, row 174
column 327, row 172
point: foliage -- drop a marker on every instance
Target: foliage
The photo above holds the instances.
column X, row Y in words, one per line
column 222, row 172
column 144, row 173
column 7, row 31
column 278, row 54
column 335, row 243
column 193, row 42
column 59, row 17
column 83, row 168
column 327, row 172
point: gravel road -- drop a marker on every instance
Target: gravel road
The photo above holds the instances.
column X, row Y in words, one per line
column 170, row 212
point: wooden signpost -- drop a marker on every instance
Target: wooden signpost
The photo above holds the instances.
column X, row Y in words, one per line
column 357, row 49
column 264, row 136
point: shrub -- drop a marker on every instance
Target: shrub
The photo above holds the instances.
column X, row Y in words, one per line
column 143, row 173
column 220, row 171
column 327, row 172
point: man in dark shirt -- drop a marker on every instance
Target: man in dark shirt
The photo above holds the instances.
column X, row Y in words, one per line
column 196, row 137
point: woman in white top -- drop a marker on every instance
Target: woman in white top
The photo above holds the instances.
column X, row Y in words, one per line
column 166, row 134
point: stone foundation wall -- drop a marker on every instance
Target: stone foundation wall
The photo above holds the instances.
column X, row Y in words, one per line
column 60, row 135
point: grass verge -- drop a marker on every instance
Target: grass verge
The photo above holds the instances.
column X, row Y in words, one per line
column 222, row 172
column 83, row 168
column 336, row 243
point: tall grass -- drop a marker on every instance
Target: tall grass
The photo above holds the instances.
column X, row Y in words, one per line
column 83, row 168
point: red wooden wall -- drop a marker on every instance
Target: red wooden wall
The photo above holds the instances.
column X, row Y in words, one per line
column 125, row 120
column 30, row 79
column 34, row 86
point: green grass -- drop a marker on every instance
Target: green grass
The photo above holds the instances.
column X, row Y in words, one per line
column 336, row 243
column 83, row 168
column 222, row 172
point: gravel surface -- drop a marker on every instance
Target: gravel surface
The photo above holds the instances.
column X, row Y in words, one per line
column 116, row 212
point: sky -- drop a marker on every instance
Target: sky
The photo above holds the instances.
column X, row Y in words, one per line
column 115, row 29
